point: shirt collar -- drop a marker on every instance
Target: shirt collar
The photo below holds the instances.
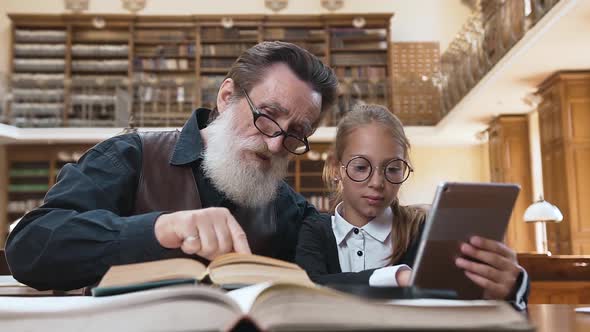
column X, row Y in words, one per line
column 340, row 226
column 189, row 146
column 378, row 228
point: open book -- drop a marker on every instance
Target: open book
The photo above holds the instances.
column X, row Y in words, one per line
column 229, row 271
column 263, row 307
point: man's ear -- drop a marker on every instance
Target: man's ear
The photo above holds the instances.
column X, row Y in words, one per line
column 224, row 95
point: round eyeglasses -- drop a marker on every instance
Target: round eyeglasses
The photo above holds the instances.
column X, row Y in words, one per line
column 270, row 128
column 396, row 171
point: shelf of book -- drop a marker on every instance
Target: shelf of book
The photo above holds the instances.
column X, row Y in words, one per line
column 30, row 171
column 56, row 57
column 304, row 175
column 165, row 67
column 28, row 181
column 97, row 55
column 38, row 67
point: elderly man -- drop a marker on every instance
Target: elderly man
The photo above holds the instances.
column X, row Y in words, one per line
column 216, row 187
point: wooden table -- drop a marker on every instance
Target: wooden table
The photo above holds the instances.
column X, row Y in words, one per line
column 559, row 317
column 558, row 279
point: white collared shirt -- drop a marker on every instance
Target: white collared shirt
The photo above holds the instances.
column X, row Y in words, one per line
column 367, row 247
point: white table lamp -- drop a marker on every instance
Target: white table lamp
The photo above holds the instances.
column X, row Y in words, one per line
column 541, row 212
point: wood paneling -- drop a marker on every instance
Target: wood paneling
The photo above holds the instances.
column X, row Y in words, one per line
column 581, row 162
column 416, row 101
column 555, row 192
column 580, row 120
column 564, row 116
column 509, row 150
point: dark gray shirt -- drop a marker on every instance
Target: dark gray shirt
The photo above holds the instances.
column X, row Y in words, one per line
column 86, row 224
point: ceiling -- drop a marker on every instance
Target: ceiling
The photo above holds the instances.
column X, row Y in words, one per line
column 560, row 41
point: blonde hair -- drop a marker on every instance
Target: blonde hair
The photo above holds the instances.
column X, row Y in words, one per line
column 407, row 219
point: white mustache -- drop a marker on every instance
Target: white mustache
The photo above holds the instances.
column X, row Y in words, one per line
column 253, row 144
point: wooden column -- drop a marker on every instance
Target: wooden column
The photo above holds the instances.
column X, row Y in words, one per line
column 509, row 150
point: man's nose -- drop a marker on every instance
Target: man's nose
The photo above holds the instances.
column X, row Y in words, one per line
column 275, row 144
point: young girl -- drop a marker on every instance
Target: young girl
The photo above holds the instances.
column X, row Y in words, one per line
column 371, row 238
column 368, row 165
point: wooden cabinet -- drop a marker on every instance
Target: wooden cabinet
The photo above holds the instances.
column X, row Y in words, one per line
column 564, row 119
column 510, row 162
column 305, row 176
column 558, row 278
column 152, row 71
column 30, row 170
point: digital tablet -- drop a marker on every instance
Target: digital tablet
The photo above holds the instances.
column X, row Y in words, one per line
column 459, row 211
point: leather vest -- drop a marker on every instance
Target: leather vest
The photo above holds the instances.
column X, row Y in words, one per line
column 165, row 187
column 162, row 186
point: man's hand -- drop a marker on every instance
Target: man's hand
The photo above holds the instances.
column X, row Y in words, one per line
column 498, row 271
column 207, row 232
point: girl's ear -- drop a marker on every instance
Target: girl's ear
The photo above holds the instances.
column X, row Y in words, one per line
column 331, row 174
column 341, row 172
column 335, row 166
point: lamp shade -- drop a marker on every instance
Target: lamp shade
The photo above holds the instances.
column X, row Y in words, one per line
column 542, row 211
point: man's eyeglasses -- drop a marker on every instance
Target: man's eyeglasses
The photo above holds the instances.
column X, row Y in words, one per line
column 359, row 169
column 270, row 128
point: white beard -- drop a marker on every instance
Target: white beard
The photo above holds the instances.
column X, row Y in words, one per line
column 240, row 180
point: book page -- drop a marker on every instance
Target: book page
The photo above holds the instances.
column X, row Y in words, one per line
column 24, row 306
column 235, row 258
column 176, row 268
column 9, row 281
column 12, row 287
column 249, row 274
column 246, row 296
column 47, row 304
column 443, row 303
column 174, row 309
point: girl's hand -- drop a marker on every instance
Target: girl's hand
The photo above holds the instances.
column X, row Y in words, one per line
column 403, row 277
